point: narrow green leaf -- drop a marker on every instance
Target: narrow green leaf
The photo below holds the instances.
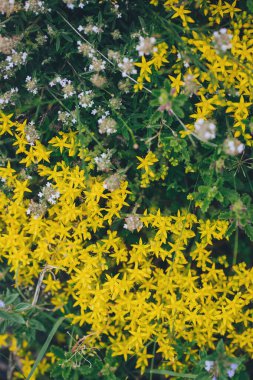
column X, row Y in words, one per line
column 45, row 347
column 172, row 373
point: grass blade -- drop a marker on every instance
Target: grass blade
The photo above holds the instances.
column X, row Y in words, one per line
column 171, row 373
column 45, row 347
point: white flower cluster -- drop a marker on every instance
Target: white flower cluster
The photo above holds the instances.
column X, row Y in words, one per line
column 66, row 84
column 233, row 146
column 36, row 209
column 115, row 10
column 127, row 67
column 72, row 4
column 49, row 194
column 85, row 49
column 107, row 125
column 36, row 6
column 7, row 6
column 104, row 161
column 31, row 133
column 222, row 40
column 133, row 222
column 85, row 99
column 13, row 60
column 146, row 46
column 8, row 98
column 7, row 44
column 89, row 29
column 31, row 85
column 97, row 65
column 205, row 129
column 67, row 118
column 112, row 182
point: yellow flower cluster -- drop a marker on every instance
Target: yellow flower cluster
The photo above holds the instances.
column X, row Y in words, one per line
column 215, row 63
column 162, row 288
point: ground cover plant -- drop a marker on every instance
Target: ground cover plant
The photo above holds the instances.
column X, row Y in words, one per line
column 126, row 189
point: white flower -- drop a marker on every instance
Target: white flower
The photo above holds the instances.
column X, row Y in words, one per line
column 146, row 46
column 205, row 129
column 231, row 371
column 209, row 365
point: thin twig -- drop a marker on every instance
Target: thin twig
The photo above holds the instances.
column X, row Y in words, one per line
column 37, row 291
column 47, row 268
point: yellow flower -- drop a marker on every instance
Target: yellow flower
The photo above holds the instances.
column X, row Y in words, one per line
column 145, row 68
column 147, row 161
column 181, row 12
column 6, row 123
column 176, row 83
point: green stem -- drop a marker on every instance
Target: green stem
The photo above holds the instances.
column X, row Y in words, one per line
column 235, row 246
column 152, row 361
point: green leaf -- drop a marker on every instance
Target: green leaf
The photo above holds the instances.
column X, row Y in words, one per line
column 16, row 318
column 67, row 37
column 155, row 117
column 22, row 306
column 59, row 352
column 250, row 5
column 12, row 318
column 36, row 325
column 58, row 44
column 4, row 314
column 243, row 376
column 172, row 373
column 249, row 231
column 45, row 347
column 11, row 298
column 231, row 229
column 203, row 377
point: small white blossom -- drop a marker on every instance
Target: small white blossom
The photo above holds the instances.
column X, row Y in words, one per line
column 231, row 371
column 209, row 365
